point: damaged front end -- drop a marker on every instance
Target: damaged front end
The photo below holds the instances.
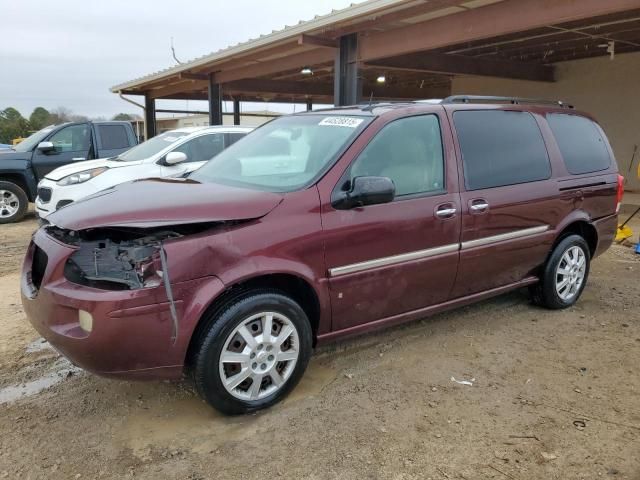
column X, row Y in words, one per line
column 114, row 259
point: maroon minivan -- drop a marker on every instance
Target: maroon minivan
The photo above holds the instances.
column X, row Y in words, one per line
column 321, row 225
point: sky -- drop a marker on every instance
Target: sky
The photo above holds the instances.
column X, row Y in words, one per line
column 70, row 52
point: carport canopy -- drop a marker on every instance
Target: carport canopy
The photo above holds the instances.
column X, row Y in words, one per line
column 416, row 46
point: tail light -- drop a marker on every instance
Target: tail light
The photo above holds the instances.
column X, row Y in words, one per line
column 620, row 192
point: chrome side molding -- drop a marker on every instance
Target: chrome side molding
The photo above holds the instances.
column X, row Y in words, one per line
column 386, row 261
column 504, row 236
column 431, row 252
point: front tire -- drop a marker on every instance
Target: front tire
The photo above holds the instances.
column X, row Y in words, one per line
column 13, row 202
column 565, row 274
column 254, row 354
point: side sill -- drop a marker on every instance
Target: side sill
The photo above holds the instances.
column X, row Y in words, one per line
column 422, row 312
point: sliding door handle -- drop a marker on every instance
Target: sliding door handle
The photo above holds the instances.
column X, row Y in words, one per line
column 446, row 212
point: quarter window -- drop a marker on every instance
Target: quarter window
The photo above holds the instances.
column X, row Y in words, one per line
column 409, row 152
column 500, row 148
column 581, row 145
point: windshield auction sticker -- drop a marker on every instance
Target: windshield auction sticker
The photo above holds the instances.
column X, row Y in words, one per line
column 341, row 122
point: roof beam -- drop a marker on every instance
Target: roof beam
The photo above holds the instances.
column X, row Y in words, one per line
column 315, row 41
column 193, row 76
column 182, row 87
column 291, row 62
column 278, row 86
column 460, row 65
column 502, row 18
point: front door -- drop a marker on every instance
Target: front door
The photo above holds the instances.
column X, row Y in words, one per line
column 388, row 259
column 72, row 143
column 510, row 207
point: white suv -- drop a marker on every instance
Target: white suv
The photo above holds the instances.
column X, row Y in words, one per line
column 170, row 154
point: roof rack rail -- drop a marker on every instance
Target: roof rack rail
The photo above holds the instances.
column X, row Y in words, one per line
column 512, row 100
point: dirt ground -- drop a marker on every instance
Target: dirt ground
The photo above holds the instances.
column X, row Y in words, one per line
column 554, row 395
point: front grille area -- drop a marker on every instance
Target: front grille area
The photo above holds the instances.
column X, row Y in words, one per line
column 38, row 266
column 44, row 194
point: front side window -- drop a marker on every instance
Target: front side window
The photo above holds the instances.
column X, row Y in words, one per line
column 151, row 147
column 581, row 145
column 203, row 148
column 285, row 154
column 74, row 138
column 409, row 152
column 500, row 148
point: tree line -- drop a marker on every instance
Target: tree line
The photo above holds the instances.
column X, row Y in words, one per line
column 14, row 125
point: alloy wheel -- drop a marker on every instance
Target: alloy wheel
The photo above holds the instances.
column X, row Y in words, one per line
column 570, row 273
column 259, row 356
column 9, row 204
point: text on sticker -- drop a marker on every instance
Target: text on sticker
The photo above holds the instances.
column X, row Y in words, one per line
column 341, row 122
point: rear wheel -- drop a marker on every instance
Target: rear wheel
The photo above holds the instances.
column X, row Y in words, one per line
column 13, row 202
column 254, row 353
column 565, row 274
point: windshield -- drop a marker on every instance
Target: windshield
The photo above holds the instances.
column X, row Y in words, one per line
column 151, row 147
column 285, row 154
column 33, row 140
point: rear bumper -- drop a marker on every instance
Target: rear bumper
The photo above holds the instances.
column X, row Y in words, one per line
column 606, row 228
column 131, row 329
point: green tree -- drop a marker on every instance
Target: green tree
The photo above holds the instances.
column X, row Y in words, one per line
column 39, row 118
column 12, row 125
column 122, row 117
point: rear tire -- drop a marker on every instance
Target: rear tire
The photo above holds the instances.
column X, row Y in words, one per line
column 254, row 354
column 13, row 202
column 564, row 275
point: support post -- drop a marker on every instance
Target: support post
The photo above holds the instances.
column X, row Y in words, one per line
column 236, row 111
column 149, row 117
column 215, row 102
column 346, row 84
column 309, row 104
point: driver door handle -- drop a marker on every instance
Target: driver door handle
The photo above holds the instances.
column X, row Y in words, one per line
column 476, row 207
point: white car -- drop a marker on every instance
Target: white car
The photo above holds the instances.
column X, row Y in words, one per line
column 170, row 154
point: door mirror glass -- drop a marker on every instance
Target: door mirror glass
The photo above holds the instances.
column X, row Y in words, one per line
column 46, row 147
column 174, row 158
column 367, row 191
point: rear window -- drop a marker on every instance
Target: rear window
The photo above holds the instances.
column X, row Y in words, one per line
column 581, row 144
column 500, row 148
column 113, row 137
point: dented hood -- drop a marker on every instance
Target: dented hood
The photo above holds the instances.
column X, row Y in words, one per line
column 164, row 202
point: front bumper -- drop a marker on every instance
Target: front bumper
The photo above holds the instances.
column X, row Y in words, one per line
column 131, row 334
column 59, row 196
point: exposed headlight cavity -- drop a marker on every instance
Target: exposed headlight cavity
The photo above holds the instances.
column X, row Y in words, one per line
column 81, row 177
column 118, row 264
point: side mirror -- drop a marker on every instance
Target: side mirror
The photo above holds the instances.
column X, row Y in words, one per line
column 174, row 158
column 366, row 191
column 46, row 147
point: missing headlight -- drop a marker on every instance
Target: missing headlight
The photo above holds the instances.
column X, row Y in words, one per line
column 118, row 265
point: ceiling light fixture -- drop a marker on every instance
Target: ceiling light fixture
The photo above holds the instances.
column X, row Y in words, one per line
column 381, row 79
column 306, row 71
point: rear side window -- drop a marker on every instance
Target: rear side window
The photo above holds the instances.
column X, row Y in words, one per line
column 113, row 137
column 500, row 148
column 583, row 148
